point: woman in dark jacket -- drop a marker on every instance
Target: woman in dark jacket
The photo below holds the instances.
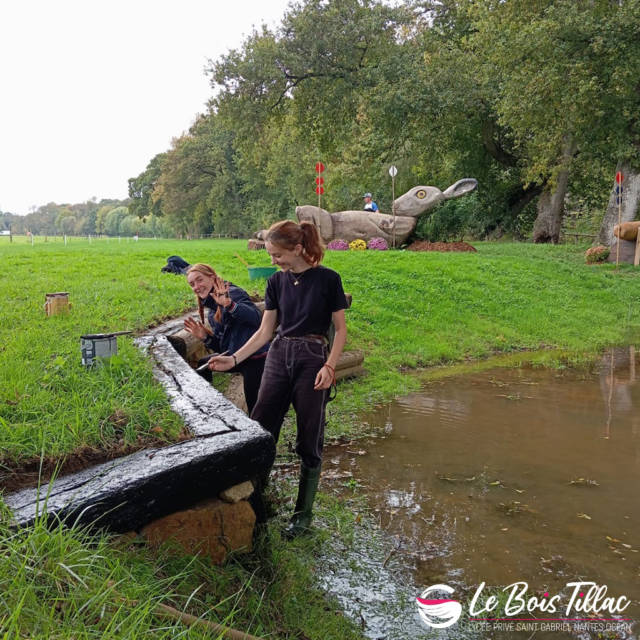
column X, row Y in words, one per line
column 233, row 319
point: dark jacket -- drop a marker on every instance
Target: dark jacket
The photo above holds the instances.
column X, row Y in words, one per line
column 240, row 320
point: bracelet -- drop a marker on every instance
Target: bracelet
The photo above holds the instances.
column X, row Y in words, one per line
column 333, row 372
column 235, row 360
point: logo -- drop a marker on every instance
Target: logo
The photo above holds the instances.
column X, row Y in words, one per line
column 435, row 612
column 579, row 606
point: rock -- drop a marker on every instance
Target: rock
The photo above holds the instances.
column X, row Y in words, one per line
column 212, row 527
column 238, row 492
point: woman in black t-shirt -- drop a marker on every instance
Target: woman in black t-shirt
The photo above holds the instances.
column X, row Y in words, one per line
column 303, row 298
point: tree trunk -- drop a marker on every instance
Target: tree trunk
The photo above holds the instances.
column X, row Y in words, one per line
column 628, row 207
column 550, row 212
column 520, row 198
column 547, row 226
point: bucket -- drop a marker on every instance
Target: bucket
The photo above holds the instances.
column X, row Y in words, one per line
column 261, row 272
column 97, row 345
column 55, row 303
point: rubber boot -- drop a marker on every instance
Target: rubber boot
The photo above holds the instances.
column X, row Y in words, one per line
column 307, row 487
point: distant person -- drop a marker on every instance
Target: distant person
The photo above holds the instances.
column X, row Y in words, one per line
column 234, row 319
column 369, row 204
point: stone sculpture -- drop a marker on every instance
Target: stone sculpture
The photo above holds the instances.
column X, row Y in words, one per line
column 364, row 225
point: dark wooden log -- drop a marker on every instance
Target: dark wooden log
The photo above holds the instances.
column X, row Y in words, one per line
column 125, row 494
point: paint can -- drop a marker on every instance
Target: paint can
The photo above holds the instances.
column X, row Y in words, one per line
column 55, row 303
column 97, row 345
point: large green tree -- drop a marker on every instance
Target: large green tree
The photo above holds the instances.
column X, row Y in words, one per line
column 537, row 99
column 567, row 73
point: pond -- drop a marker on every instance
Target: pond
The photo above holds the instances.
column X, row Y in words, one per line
column 527, row 475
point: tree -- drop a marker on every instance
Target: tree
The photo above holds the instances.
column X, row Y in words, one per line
column 141, row 188
column 113, row 219
column 563, row 88
column 316, row 64
column 65, row 220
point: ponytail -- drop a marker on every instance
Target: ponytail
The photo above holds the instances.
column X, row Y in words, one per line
column 288, row 234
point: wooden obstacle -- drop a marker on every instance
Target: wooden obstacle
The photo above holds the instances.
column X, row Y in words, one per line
column 55, row 303
column 127, row 494
column 629, row 251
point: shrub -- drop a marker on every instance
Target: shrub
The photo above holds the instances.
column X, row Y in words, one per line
column 357, row 245
column 338, row 245
column 596, row 254
column 449, row 220
column 378, row 244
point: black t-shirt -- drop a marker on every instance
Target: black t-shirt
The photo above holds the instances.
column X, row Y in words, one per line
column 305, row 307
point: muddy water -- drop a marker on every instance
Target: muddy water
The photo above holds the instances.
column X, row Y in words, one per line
column 511, row 475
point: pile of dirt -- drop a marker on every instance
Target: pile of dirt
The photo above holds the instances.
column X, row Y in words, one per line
column 424, row 245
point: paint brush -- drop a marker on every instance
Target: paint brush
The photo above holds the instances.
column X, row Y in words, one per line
column 202, row 367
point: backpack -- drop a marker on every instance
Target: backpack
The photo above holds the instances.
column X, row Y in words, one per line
column 176, row 265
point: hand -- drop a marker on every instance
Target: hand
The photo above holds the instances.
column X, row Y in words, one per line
column 220, row 292
column 324, row 379
column 196, row 329
column 221, row 363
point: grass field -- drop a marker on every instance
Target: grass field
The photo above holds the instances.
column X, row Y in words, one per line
column 57, row 583
column 410, row 311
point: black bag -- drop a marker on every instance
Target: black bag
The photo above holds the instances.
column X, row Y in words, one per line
column 175, row 264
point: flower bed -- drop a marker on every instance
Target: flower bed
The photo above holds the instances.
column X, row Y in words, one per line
column 597, row 254
column 377, row 244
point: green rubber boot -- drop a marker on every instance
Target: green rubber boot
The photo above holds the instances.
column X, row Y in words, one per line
column 301, row 519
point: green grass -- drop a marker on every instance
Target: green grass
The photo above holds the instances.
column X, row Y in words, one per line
column 410, row 310
column 64, row 583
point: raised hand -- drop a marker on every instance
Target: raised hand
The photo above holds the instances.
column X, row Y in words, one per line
column 220, row 292
column 195, row 328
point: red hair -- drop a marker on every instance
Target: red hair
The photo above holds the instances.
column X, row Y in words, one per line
column 208, row 271
column 287, row 234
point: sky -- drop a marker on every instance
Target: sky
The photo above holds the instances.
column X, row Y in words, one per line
column 91, row 90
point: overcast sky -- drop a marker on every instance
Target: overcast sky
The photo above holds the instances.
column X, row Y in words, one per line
column 90, row 90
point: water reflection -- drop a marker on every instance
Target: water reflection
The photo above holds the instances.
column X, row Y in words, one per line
column 617, row 379
column 510, row 475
